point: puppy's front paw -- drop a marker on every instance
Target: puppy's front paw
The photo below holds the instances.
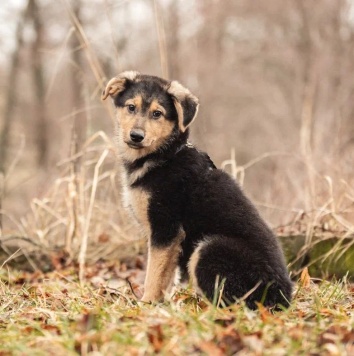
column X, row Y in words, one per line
column 145, row 299
column 151, row 298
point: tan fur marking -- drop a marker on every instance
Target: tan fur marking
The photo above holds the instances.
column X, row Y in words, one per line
column 116, row 84
column 139, row 173
column 192, row 264
column 136, row 201
column 180, row 115
column 178, row 90
column 137, row 101
column 180, row 93
column 156, row 106
column 129, row 74
column 162, row 263
column 156, row 133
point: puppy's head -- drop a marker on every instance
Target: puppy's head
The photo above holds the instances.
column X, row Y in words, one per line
column 150, row 111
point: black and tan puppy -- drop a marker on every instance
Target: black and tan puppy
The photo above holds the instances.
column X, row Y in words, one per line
column 194, row 215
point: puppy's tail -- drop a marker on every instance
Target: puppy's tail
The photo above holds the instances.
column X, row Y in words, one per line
column 244, row 271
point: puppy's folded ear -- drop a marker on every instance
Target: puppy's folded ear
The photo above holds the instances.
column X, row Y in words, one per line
column 186, row 104
column 117, row 84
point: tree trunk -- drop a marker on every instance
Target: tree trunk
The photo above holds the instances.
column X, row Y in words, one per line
column 38, row 80
column 10, row 103
column 11, row 91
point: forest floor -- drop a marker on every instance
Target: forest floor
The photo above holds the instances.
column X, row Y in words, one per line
column 53, row 313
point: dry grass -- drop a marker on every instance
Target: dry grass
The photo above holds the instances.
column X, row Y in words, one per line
column 81, row 214
column 54, row 314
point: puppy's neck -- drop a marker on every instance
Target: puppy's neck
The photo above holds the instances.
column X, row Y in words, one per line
column 136, row 169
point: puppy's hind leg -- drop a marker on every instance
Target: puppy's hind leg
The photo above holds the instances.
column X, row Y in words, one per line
column 247, row 272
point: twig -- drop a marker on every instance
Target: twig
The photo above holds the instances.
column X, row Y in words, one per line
column 131, row 288
column 250, row 291
column 22, row 238
column 10, row 258
column 56, row 67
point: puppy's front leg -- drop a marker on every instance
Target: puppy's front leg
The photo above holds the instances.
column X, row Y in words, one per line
column 162, row 263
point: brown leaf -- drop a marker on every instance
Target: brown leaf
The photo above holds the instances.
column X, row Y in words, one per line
column 52, row 328
column 103, row 237
column 59, row 259
column 349, row 337
column 210, row 348
column 263, row 311
column 230, row 341
column 305, row 278
column 296, row 333
column 156, row 337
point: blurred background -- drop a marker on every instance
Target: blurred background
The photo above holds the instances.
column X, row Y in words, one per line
column 275, row 82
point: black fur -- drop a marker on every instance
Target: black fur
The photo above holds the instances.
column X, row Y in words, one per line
column 188, row 191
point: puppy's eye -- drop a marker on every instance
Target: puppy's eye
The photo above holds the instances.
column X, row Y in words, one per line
column 156, row 114
column 131, row 108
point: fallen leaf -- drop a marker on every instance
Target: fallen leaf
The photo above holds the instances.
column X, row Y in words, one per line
column 155, row 337
column 230, row 341
column 305, row 278
column 52, row 328
column 348, row 337
column 103, row 237
column 210, row 348
column 263, row 312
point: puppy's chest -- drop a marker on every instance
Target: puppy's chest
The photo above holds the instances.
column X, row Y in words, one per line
column 136, row 201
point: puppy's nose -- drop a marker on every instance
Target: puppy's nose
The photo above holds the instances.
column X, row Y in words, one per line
column 137, row 135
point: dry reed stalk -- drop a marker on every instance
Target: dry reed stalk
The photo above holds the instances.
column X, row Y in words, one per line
column 91, row 57
column 52, row 218
column 238, row 172
column 306, row 143
column 73, row 222
column 12, row 256
column 56, row 66
column 90, row 54
column 83, row 248
column 161, row 40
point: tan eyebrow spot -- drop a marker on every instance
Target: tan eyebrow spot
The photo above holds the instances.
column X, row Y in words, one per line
column 137, row 101
column 155, row 106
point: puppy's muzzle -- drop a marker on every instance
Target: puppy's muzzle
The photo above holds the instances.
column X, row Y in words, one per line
column 136, row 138
column 137, row 135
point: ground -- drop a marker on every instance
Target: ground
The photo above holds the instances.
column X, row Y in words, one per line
column 53, row 313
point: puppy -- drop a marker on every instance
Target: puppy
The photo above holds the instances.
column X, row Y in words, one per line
column 196, row 218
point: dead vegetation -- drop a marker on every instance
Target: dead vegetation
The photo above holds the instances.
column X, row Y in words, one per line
column 54, row 313
column 80, row 219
